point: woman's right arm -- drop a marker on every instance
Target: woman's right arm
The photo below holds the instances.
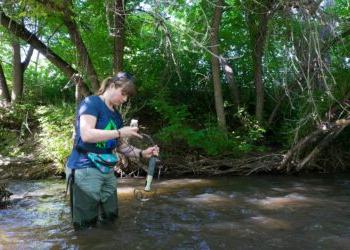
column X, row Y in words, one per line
column 90, row 134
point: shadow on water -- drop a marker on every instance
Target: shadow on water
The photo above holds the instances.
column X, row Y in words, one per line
column 220, row 213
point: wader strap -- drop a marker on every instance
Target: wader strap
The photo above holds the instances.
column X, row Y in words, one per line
column 69, row 187
column 70, row 181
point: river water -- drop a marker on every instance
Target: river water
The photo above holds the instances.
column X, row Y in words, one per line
column 260, row 212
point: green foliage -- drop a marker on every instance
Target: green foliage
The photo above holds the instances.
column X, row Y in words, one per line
column 13, row 116
column 56, row 127
column 173, row 115
column 251, row 130
column 42, row 131
column 9, row 143
column 17, row 123
column 210, row 140
column 45, row 85
column 166, row 47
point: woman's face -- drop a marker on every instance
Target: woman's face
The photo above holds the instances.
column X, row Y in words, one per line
column 118, row 96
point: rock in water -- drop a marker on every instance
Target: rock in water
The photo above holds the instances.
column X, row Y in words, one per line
column 4, row 195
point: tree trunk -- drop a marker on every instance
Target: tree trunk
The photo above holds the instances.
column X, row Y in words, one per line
column 258, row 16
column 17, row 76
column 20, row 31
column 4, row 90
column 119, row 17
column 259, row 86
column 26, row 61
column 258, row 52
column 18, row 69
column 85, row 62
column 214, row 47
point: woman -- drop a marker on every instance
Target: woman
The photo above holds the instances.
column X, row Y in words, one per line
column 99, row 130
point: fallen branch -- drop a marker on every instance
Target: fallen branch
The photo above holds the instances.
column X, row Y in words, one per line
column 306, row 151
column 223, row 166
column 319, row 147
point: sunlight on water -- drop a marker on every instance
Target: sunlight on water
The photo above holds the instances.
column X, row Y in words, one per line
column 158, row 188
column 185, row 182
column 293, row 199
column 271, row 223
column 208, row 199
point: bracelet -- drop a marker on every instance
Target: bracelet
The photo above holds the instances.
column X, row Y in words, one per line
column 119, row 134
column 140, row 154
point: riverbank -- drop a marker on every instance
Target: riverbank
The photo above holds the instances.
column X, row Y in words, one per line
column 38, row 139
column 25, row 168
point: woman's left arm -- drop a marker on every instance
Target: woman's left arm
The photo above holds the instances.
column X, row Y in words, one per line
column 131, row 151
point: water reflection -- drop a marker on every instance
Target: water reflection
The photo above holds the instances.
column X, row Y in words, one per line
column 221, row 213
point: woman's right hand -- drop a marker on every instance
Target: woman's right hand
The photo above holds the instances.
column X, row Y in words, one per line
column 128, row 131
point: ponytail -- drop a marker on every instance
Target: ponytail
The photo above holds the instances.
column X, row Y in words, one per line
column 120, row 80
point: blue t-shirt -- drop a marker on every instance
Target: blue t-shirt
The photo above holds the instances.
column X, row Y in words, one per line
column 106, row 119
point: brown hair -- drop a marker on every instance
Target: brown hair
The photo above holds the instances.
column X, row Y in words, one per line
column 120, row 80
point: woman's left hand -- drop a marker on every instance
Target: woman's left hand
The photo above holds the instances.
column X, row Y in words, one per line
column 151, row 151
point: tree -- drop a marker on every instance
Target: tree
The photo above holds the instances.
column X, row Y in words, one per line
column 258, row 15
column 19, row 68
column 85, row 63
column 4, row 91
column 119, row 33
column 214, row 48
column 20, row 31
column 83, row 54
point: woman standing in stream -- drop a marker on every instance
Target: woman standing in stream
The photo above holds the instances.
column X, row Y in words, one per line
column 99, row 130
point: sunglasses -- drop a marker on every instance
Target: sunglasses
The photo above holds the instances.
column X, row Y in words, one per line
column 122, row 76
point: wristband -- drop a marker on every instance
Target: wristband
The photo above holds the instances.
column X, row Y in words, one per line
column 140, row 154
column 119, row 134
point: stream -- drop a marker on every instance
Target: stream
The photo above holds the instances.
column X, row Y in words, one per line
column 256, row 212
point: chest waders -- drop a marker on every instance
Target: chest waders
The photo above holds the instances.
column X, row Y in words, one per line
column 93, row 197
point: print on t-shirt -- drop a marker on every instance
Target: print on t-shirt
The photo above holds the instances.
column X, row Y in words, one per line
column 110, row 143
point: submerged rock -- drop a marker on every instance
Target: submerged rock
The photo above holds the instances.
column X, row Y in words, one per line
column 4, row 194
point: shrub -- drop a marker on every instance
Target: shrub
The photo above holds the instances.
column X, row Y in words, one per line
column 56, row 124
column 210, row 140
column 17, row 123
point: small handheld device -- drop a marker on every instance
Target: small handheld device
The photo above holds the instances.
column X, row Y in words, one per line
column 134, row 123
